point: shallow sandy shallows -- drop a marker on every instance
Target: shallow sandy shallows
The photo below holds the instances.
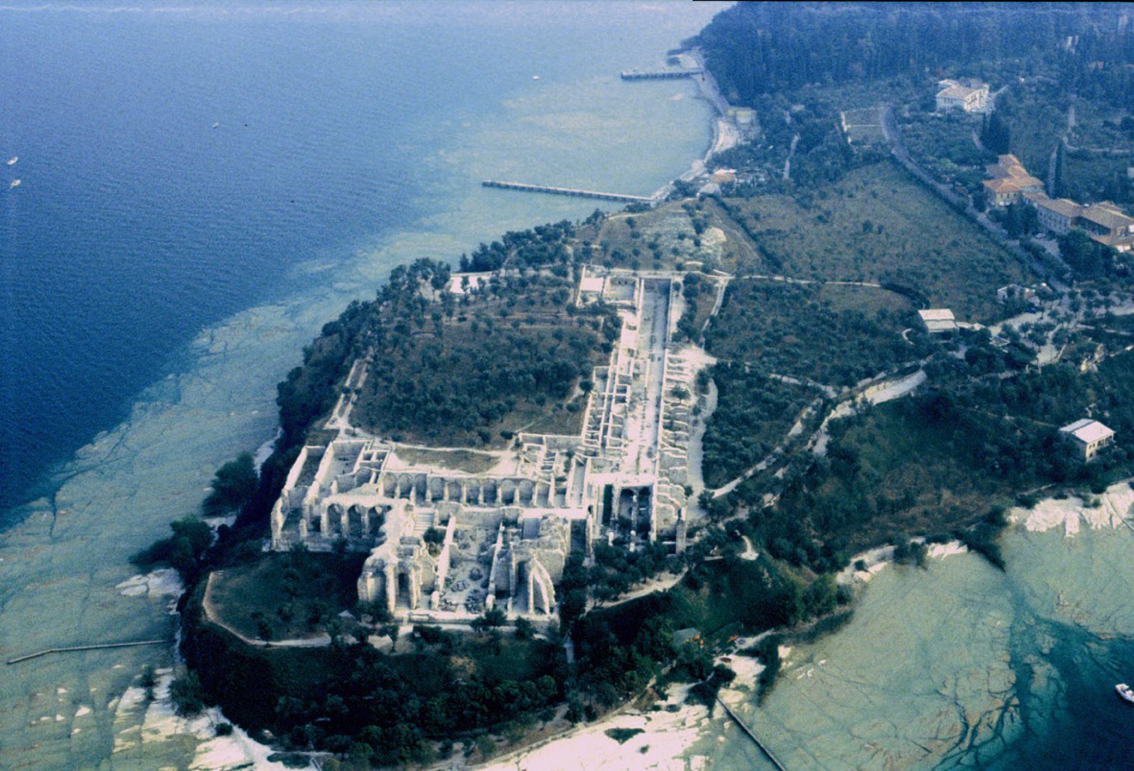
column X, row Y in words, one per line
column 666, row 736
column 1114, row 506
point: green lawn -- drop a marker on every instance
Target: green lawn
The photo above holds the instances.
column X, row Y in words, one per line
column 294, row 594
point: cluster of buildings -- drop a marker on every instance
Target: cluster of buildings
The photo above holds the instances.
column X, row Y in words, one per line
column 1104, row 222
column 445, row 544
column 967, row 94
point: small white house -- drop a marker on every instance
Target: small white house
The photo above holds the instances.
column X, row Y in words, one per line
column 1088, row 436
column 966, row 95
column 938, row 321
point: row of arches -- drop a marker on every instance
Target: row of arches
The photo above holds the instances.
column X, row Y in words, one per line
column 424, row 489
column 354, row 521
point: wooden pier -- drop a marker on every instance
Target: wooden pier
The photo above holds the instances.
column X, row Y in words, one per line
column 568, row 191
column 660, row 74
column 751, row 735
column 95, row 647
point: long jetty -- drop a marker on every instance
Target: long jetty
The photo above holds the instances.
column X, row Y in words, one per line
column 568, row 191
column 751, row 735
column 96, row 647
column 661, row 74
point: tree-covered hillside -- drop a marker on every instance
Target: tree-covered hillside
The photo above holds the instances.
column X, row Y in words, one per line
column 761, row 48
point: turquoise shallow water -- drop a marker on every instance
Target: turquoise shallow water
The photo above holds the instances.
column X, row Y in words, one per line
column 183, row 267
column 961, row 666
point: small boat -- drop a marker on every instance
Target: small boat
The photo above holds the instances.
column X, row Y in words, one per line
column 216, row 125
column 15, row 183
column 535, row 77
column 13, row 159
column 1125, row 691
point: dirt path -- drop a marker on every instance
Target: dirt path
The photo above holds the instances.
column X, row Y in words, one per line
column 791, row 152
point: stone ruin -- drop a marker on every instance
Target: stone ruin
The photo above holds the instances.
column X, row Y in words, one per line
column 446, row 545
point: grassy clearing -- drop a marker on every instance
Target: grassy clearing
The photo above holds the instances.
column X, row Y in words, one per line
column 877, row 224
column 863, row 125
column 287, row 595
column 501, row 658
column 469, row 461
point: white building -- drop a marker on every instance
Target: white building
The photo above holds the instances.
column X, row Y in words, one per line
column 938, row 321
column 966, row 95
column 1088, row 436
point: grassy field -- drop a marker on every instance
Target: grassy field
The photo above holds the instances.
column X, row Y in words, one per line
column 468, row 461
column 863, row 125
column 877, row 224
column 293, row 595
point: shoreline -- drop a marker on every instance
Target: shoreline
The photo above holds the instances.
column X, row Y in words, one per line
column 126, row 483
column 629, row 712
column 719, row 139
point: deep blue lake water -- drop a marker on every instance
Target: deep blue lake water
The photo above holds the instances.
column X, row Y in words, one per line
column 177, row 165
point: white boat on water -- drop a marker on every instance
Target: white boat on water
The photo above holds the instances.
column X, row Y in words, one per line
column 13, row 159
column 1125, row 691
column 15, row 183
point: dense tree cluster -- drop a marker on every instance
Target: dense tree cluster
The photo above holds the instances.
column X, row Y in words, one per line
column 183, row 551
column 926, row 464
column 513, row 343
column 790, row 329
column 353, row 699
column 996, row 135
column 693, row 288
column 234, row 485
column 543, row 245
column 760, row 48
column 1088, row 258
column 753, row 413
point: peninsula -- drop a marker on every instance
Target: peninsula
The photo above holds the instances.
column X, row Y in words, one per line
column 603, row 457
